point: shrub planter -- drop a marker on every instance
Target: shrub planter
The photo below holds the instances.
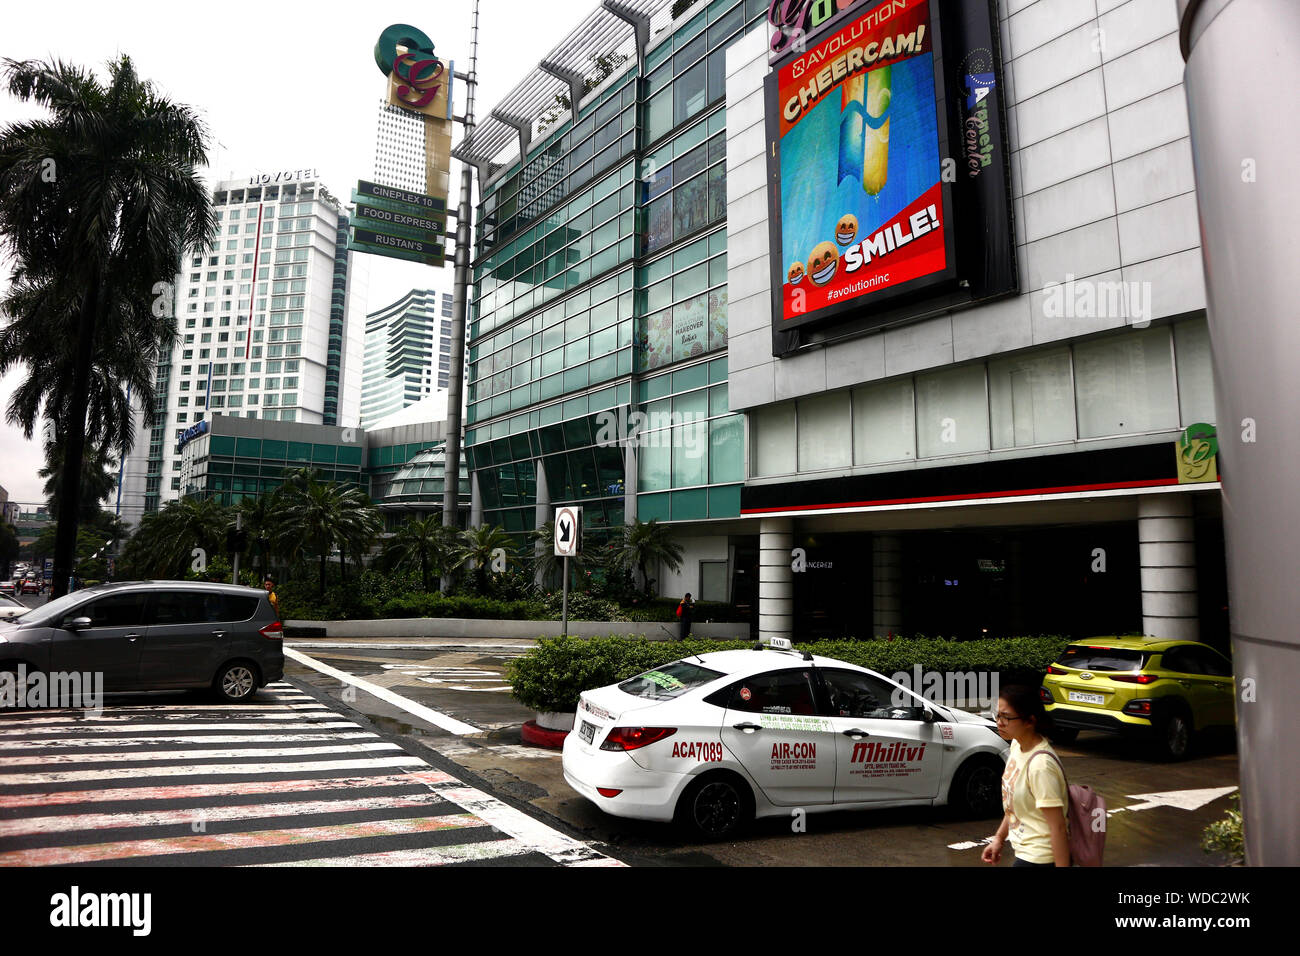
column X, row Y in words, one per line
column 556, row 719
column 539, row 736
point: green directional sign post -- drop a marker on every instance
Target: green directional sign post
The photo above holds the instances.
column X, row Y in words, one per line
column 399, row 224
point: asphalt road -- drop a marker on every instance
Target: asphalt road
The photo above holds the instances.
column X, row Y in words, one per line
column 451, row 698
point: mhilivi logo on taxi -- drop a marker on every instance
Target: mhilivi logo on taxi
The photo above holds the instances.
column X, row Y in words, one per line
column 959, row 688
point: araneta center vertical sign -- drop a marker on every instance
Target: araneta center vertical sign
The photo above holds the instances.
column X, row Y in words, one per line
column 394, row 222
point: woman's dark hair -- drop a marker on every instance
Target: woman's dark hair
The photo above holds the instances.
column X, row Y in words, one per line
column 1026, row 703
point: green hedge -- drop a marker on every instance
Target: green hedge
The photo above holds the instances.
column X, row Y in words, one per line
column 436, row 605
column 552, row 675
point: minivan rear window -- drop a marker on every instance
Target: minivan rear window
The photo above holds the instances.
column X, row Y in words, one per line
column 669, row 681
column 1102, row 658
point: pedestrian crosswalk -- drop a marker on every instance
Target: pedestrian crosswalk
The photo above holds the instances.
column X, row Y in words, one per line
column 281, row 781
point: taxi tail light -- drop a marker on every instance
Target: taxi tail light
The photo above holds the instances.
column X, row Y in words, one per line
column 1138, row 708
column 632, row 738
column 273, row 631
column 1135, row 678
column 608, row 791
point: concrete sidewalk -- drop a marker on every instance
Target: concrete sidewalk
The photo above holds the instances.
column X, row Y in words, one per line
column 477, row 629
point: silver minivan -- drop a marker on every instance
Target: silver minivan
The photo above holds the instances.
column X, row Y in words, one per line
column 154, row 635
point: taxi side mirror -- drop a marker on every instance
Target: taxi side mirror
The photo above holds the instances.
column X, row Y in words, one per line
column 929, row 716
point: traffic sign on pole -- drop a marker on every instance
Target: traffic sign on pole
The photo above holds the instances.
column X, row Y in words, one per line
column 568, row 532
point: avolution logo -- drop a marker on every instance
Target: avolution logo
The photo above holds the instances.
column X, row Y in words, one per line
column 979, row 82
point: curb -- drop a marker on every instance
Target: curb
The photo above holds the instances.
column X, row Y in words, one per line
column 537, row 735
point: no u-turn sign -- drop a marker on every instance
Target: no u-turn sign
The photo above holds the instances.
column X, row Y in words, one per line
column 568, row 532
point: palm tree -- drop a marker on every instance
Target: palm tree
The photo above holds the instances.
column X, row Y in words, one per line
column 546, row 566
column 317, row 516
column 98, row 480
column 423, row 543
column 258, row 515
column 97, row 203
column 644, row 543
column 477, row 546
column 164, row 544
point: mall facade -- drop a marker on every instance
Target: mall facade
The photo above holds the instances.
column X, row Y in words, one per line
column 1012, row 434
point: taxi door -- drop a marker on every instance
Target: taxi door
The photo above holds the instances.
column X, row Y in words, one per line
column 884, row 752
column 773, row 728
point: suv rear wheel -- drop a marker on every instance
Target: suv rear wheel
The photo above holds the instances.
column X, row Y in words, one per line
column 1173, row 740
column 236, row 682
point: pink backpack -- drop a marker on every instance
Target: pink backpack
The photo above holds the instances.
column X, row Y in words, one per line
column 1086, row 841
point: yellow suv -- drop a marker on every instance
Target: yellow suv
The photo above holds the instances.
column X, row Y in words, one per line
column 1162, row 690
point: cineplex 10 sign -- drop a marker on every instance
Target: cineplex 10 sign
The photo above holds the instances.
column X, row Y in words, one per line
column 879, row 211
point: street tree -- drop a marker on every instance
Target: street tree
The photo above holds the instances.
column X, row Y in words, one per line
column 645, row 543
column 97, row 203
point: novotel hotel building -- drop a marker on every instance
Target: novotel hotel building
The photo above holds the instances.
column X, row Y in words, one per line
column 896, row 312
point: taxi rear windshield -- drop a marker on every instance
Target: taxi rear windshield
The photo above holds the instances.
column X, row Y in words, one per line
column 669, row 681
column 1102, row 658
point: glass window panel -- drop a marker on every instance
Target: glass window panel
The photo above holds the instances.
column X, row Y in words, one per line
column 690, row 454
column 824, row 432
column 772, row 430
column 691, row 405
column 690, row 327
column 884, row 426
column 689, row 93
column 952, row 412
column 654, row 460
column 1125, row 384
column 1195, row 376
column 690, row 205
column 727, row 449
column 1031, row 399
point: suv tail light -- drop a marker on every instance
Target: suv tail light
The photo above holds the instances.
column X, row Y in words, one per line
column 1045, row 695
column 273, row 631
column 631, row 738
column 1053, row 669
column 1135, row 678
column 1138, row 708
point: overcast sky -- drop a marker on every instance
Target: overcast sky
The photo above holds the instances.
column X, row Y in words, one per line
column 281, row 86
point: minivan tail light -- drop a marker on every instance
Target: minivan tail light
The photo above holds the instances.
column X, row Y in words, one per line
column 273, row 631
column 632, row 738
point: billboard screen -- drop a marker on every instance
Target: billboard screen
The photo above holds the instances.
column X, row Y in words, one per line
column 871, row 210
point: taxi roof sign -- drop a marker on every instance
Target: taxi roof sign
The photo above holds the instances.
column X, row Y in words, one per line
column 777, row 643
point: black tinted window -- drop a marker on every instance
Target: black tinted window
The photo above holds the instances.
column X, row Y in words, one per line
column 1101, row 658
column 119, row 610
column 860, row 695
column 776, row 692
column 198, row 607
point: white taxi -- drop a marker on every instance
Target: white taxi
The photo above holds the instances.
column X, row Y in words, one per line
column 713, row 740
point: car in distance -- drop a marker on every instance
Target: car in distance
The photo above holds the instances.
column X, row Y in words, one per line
column 31, row 586
column 1161, row 691
column 713, row 740
column 154, row 635
column 8, row 587
column 11, row 608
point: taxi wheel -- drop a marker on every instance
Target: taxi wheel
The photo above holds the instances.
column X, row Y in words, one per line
column 977, row 788
column 715, row 806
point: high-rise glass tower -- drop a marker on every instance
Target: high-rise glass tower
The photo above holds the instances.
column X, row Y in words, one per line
column 407, row 353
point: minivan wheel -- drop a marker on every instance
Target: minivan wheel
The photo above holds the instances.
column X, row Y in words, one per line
column 715, row 807
column 236, row 682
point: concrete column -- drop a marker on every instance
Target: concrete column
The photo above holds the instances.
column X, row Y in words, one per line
column 542, row 513
column 475, row 502
column 775, row 578
column 629, row 476
column 886, row 585
column 1167, row 555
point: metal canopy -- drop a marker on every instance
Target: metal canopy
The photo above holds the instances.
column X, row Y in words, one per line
column 616, row 26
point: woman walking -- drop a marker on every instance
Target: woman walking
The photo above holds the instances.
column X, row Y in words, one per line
column 1034, row 794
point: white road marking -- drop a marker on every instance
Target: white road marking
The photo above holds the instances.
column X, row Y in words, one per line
column 396, row 647
column 1182, row 799
column 212, row 770
column 432, row 856
column 970, row 844
column 86, row 742
column 181, row 754
column 203, row 725
column 445, row 721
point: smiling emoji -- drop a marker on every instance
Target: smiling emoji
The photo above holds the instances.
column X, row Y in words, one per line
column 795, row 274
column 823, row 262
column 846, row 229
